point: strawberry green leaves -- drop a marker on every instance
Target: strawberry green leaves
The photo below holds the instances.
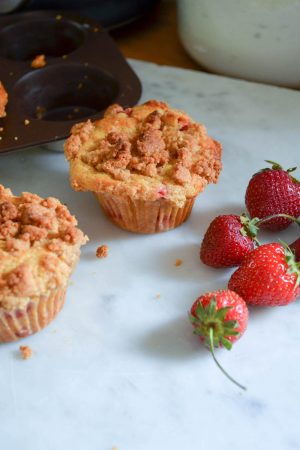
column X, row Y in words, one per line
column 219, row 318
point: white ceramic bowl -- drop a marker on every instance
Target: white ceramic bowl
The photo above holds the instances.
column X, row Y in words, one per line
column 257, row 40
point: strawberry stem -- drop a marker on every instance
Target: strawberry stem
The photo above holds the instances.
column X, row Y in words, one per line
column 274, row 216
column 211, row 348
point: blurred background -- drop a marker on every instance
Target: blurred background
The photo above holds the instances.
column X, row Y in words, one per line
column 257, row 40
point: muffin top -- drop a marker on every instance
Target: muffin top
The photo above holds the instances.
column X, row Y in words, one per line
column 148, row 152
column 39, row 246
column 3, row 100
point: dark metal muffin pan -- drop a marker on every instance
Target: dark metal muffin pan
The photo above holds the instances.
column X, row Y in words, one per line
column 84, row 73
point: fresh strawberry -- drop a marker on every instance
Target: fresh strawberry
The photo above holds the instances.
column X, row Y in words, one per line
column 295, row 247
column 219, row 318
column 268, row 276
column 227, row 240
column 272, row 191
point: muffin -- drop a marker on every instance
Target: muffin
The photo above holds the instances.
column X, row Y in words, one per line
column 39, row 248
column 3, row 100
column 145, row 164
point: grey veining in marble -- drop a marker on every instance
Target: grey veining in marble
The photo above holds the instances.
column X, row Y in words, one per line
column 120, row 367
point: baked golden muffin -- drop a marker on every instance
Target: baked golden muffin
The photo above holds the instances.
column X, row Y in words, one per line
column 145, row 164
column 39, row 248
column 3, row 100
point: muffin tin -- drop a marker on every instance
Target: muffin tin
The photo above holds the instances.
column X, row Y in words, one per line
column 84, row 73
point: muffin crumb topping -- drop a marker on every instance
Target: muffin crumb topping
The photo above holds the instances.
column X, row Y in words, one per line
column 143, row 147
column 38, row 238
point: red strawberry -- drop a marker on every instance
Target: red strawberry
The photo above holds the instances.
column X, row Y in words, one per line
column 268, row 276
column 272, row 191
column 227, row 240
column 295, row 247
column 219, row 318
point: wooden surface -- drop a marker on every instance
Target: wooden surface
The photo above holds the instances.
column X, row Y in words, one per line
column 155, row 38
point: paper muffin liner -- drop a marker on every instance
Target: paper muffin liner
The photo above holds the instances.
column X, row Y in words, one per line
column 19, row 323
column 141, row 216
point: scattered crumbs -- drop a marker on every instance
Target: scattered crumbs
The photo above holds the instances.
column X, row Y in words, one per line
column 158, row 296
column 58, row 17
column 178, row 262
column 102, row 251
column 64, row 56
column 80, row 86
column 26, row 122
column 96, row 29
column 26, row 352
column 16, row 138
column 0, row 138
column 1, row 129
column 38, row 62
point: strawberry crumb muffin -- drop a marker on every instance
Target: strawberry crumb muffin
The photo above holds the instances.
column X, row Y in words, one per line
column 145, row 164
column 39, row 247
column 3, row 100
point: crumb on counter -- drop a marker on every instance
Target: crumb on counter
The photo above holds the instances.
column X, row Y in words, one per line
column 26, row 122
column 102, row 251
column 158, row 295
column 26, row 352
column 58, row 17
column 38, row 62
column 16, row 138
column 3, row 100
column 178, row 262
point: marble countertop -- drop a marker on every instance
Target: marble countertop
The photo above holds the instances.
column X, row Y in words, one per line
column 120, row 367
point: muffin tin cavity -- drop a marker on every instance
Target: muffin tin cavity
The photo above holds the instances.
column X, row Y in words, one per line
column 84, row 73
column 24, row 40
column 78, row 92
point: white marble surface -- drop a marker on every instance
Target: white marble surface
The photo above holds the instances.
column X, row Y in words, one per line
column 120, row 367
